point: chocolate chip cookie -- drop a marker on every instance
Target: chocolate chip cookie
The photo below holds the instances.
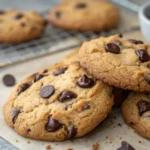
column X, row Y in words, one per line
column 58, row 103
column 84, row 15
column 124, row 63
column 136, row 113
column 17, row 26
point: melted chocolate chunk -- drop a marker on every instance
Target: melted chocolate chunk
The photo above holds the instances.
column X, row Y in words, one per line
column 143, row 55
column 72, row 132
column 52, row 125
column 120, row 35
column 143, row 106
column 81, row 5
column 135, row 41
column 38, row 77
column 57, row 14
column 18, row 16
column 9, row 80
column 45, row 71
column 112, row 48
column 47, row 91
column 15, row 113
column 119, row 95
column 23, row 87
column 67, row 95
column 85, row 82
column 125, row 146
column 59, row 71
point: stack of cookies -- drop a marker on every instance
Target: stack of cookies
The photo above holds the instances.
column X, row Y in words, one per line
column 71, row 98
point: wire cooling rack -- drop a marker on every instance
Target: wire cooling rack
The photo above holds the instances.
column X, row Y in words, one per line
column 54, row 40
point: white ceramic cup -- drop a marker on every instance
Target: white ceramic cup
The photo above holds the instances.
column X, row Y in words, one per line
column 144, row 17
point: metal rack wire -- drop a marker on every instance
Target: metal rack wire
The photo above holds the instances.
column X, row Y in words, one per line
column 55, row 39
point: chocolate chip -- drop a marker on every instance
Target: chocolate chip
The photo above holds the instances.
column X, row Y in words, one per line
column 72, row 132
column 2, row 12
column 85, row 107
column 23, row 87
column 119, row 95
column 81, row 5
column 15, row 113
column 85, row 82
column 38, row 77
column 135, row 41
column 143, row 55
column 47, row 91
column 143, row 106
column 18, row 16
column 113, row 48
column 59, row 71
column 57, row 14
column 120, row 35
column 28, row 130
column 52, row 125
column 67, row 95
column 125, row 146
column 9, row 80
column 45, row 71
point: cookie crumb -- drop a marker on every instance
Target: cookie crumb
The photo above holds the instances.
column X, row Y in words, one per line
column 119, row 124
column 48, row 147
column 28, row 142
column 96, row 146
column 69, row 149
column 140, row 142
column 106, row 137
column 17, row 141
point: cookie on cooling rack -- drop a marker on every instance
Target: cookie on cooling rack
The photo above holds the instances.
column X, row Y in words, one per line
column 117, row 61
column 59, row 103
column 84, row 15
column 17, row 26
column 136, row 113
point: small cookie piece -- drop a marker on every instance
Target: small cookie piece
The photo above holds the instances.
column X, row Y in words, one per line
column 117, row 61
column 72, row 15
column 136, row 113
column 63, row 106
column 17, row 26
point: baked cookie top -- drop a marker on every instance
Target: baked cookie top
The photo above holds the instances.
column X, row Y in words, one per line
column 57, row 104
column 118, row 61
column 17, row 26
column 136, row 112
column 84, row 15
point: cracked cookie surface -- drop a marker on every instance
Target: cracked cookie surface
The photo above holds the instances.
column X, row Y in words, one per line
column 18, row 26
column 72, row 15
column 58, row 103
column 136, row 113
column 118, row 61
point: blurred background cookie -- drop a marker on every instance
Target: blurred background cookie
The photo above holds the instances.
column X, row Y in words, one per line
column 17, row 26
column 84, row 15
